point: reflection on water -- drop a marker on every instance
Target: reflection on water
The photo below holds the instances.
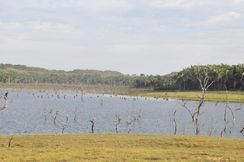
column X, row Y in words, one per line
column 38, row 112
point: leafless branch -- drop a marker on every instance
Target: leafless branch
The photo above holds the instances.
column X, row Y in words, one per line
column 189, row 111
column 175, row 123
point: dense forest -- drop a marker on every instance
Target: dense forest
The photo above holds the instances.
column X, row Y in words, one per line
column 225, row 77
column 229, row 77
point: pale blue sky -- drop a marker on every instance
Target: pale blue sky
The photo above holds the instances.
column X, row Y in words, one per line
column 130, row 36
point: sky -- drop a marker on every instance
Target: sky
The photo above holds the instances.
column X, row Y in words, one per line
column 130, row 36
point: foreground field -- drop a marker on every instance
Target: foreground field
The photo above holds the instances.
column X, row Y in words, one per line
column 231, row 96
column 103, row 147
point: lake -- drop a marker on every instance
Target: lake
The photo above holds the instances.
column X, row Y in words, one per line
column 50, row 112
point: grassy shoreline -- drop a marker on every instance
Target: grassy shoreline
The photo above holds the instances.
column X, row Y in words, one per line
column 231, row 96
column 121, row 147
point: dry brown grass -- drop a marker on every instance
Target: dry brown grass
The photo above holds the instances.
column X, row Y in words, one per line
column 109, row 147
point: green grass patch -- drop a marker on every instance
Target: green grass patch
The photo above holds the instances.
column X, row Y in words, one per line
column 231, row 96
column 112, row 147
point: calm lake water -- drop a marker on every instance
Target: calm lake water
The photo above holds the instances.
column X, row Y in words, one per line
column 36, row 112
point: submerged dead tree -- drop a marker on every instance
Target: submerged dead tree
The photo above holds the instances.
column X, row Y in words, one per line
column 5, row 102
column 175, row 123
column 204, row 83
column 117, row 123
column 242, row 130
column 130, row 123
column 75, row 114
column 226, row 121
column 92, row 121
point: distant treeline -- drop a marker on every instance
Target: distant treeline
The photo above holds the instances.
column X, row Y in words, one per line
column 225, row 77
column 229, row 77
column 23, row 74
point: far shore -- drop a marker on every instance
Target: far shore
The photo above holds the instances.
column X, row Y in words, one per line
column 218, row 96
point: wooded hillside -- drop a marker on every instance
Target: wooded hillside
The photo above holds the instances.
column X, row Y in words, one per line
column 229, row 77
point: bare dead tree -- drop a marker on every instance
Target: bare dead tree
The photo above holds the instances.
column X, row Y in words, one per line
column 5, row 102
column 242, row 130
column 204, row 84
column 117, row 123
column 44, row 113
column 225, row 123
column 75, row 114
column 10, row 141
column 63, row 127
column 227, row 107
column 62, row 124
column 175, row 123
column 59, row 120
column 129, row 126
column 132, row 121
column 195, row 114
column 225, row 113
column 92, row 121
column 232, row 114
column 55, row 117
